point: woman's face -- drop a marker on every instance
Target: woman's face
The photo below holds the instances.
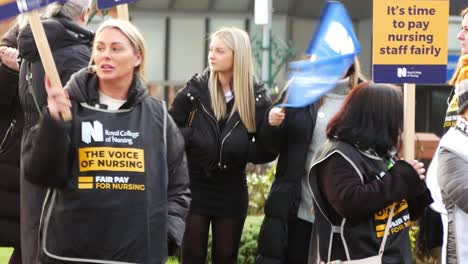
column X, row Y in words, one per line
column 220, row 57
column 463, row 35
column 114, row 56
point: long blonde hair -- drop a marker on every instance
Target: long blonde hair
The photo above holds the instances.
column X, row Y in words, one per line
column 242, row 78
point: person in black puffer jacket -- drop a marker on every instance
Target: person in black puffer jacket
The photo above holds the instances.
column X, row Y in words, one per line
column 11, row 127
column 220, row 113
column 70, row 45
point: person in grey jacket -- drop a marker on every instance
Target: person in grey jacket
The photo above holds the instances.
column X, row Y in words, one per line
column 452, row 173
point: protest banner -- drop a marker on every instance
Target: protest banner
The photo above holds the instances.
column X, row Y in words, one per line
column 409, row 47
column 10, row 8
column 121, row 5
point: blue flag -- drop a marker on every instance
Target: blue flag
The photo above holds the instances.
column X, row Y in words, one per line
column 10, row 8
column 103, row 4
column 332, row 50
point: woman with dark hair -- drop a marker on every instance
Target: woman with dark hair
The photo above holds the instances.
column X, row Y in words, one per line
column 295, row 134
column 357, row 184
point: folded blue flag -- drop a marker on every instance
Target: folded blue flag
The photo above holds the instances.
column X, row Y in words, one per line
column 332, row 49
column 103, row 4
column 10, row 8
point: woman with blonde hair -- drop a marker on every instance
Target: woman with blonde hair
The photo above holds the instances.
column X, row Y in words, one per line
column 219, row 113
column 116, row 173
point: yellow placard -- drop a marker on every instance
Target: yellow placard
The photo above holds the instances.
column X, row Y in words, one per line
column 3, row 2
column 111, row 159
column 410, row 32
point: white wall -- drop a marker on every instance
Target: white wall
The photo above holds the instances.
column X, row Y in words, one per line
column 453, row 30
column 154, row 30
column 186, row 47
column 364, row 34
column 301, row 33
column 217, row 23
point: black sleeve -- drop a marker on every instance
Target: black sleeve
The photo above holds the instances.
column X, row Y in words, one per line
column 66, row 67
column 273, row 136
column 349, row 197
column 46, row 153
column 9, row 80
column 178, row 185
column 180, row 110
column 259, row 152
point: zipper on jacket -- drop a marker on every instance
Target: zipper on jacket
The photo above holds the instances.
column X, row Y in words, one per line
column 222, row 144
column 7, row 133
column 218, row 133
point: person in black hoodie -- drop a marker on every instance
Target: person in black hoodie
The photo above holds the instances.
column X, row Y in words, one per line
column 220, row 113
column 70, row 44
column 11, row 127
column 117, row 170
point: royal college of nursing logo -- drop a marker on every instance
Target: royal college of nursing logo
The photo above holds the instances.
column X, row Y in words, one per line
column 91, row 131
column 401, row 72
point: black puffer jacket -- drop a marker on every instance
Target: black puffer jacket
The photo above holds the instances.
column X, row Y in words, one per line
column 137, row 222
column 11, row 127
column 70, row 45
column 217, row 157
column 291, row 140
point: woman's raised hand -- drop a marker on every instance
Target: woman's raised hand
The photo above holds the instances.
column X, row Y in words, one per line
column 276, row 116
column 58, row 101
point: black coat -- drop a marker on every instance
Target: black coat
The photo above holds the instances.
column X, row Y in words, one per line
column 147, row 219
column 218, row 156
column 11, row 127
column 291, row 140
column 70, row 45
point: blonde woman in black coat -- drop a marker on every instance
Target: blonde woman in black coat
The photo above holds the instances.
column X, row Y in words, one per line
column 219, row 113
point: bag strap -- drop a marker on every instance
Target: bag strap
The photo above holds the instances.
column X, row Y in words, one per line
column 387, row 229
column 191, row 116
column 30, row 87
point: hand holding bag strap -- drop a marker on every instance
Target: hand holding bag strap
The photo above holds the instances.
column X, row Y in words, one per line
column 387, row 229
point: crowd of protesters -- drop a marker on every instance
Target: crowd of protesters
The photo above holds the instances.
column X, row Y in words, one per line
column 77, row 190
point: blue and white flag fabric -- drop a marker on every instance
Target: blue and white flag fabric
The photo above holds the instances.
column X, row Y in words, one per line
column 332, row 50
column 103, row 4
column 10, row 8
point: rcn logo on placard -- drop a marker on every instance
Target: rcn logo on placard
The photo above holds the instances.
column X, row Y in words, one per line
column 401, row 72
column 91, row 131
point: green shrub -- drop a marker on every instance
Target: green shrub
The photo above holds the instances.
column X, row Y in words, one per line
column 259, row 179
column 248, row 244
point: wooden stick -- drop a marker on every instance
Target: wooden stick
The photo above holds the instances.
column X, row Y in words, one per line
column 46, row 55
column 409, row 119
column 122, row 12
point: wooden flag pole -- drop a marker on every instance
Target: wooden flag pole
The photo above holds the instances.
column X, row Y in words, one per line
column 409, row 119
column 122, row 12
column 45, row 53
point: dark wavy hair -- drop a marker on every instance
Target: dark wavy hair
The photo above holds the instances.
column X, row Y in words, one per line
column 371, row 117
